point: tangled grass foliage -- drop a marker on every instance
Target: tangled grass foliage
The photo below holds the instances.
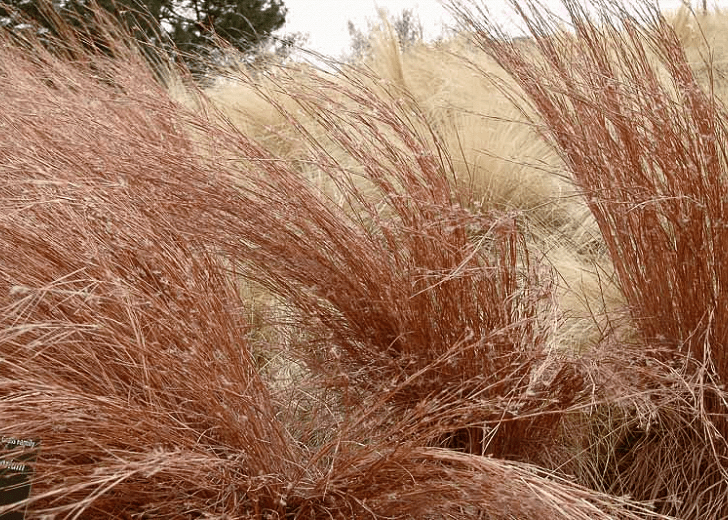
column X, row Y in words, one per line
column 465, row 281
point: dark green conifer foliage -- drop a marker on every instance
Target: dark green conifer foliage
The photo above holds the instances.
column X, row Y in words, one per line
column 190, row 25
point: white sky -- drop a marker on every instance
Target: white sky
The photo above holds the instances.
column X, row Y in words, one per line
column 325, row 21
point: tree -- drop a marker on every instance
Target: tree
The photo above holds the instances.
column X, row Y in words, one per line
column 243, row 23
column 191, row 25
column 406, row 26
column 703, row 3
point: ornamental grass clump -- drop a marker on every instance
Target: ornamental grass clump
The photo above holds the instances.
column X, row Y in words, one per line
column 645, row 142
column 399, row 303
column 108, row 295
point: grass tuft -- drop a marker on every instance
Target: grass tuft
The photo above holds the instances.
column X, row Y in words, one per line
column 644, row 141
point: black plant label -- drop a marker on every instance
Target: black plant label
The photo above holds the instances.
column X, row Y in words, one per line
column 17, row 456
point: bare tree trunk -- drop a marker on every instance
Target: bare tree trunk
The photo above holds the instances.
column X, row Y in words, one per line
column 705, row 5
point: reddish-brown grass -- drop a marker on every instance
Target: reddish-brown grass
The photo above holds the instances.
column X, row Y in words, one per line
column 428, row 387
column 126, row 229
column 645, row 142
